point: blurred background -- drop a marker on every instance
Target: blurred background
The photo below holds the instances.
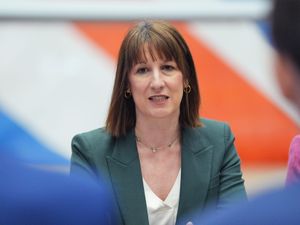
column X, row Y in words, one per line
column 57, row 65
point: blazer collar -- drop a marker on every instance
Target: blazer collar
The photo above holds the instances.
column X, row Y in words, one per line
column 125, row 151
column 126, row 177
column 196, row 161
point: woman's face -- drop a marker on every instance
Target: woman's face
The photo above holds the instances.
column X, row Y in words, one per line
column 156, row 87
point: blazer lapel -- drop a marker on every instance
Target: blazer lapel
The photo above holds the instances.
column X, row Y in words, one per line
column 196, row 156
column 126, row 177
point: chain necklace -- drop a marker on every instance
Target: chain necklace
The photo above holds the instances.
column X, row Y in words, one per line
column 155, row 149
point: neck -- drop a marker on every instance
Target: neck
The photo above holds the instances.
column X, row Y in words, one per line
column 158, row 132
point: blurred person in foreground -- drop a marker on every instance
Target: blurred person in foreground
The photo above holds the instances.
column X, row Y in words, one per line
column 286, row 35
column 163, row 162
column 30, row 196
column 278, row 207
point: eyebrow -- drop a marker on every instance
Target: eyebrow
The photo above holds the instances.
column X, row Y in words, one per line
column 141, row 62
column 162, row 60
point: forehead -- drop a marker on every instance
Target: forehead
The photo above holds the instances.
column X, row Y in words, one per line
column 148, row 52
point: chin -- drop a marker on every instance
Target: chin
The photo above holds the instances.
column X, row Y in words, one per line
column 163, row 113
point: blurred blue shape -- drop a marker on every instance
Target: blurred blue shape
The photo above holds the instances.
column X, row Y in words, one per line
column 23, row 145
column 265, row 28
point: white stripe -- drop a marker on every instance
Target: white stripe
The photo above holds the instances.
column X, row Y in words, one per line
column 134, row 10
column 54, row 81
column 242, row 46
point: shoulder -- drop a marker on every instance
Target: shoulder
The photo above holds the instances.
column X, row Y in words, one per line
column 211, row 133
column 94, row 141
column 214, row 128
column 93, row 137
column 94, row 134
column 212, row 124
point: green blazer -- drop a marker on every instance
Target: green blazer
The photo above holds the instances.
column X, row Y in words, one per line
column 210, row 170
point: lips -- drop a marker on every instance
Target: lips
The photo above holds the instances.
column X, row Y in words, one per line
column 158, row 98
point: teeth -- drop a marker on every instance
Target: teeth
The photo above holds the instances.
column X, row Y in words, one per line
column 158, row 98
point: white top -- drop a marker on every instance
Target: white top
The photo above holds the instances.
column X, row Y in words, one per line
column 163, row 212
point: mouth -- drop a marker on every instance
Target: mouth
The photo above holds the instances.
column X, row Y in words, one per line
column 158, row 98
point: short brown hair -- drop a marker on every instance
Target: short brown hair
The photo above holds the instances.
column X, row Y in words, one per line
column 164, row 39
column 285, row 24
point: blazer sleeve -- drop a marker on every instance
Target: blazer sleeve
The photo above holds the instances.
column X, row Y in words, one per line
column 81, row 163
column 231, row 182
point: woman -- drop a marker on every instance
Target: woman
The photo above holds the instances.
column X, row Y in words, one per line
column 161, row 161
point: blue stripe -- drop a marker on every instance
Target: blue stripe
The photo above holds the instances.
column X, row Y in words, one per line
column 14, row 139
column 265, row 28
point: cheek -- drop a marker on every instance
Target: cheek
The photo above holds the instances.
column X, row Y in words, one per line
column 137, row 91
column 178, row 91
column 284, row 79
column 283, row 84
column 136, row 95
column 178, row 86
column 135, row 85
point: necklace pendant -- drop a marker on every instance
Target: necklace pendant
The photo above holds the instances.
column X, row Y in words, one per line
column 153, row 149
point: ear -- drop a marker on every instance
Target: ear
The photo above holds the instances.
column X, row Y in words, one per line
column 185, row 83
column 288, row 77
column 128, row 86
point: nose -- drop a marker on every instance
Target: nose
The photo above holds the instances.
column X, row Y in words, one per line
column 157, row 81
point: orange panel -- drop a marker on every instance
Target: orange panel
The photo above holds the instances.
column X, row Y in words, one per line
column 263, row 132
column 107, row 36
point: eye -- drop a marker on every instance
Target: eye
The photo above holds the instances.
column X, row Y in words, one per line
column 142, row 70
column 168, row 68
